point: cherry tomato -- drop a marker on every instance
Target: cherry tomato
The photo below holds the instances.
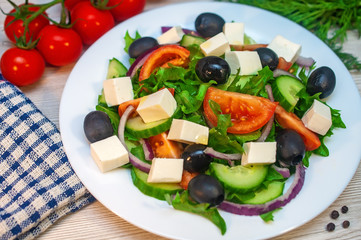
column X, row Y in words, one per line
column 70, row 4
column 164, row 148
column 160, row 57
column 248, row 113
column 59, row 46
column 126, row 8
column 22, row 67
column 16, row 28
column 89, row 22
column 291, row 121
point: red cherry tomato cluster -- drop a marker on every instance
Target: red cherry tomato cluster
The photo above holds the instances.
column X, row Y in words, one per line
column 39, row 42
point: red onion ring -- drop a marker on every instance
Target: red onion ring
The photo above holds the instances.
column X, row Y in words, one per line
column 136, row 162
column 148, row 151
column 305, row 61
column 279, row 72
column 285, row 172
column 257, row 209
column 139, row 61
column 226, row 156
column 267, row 129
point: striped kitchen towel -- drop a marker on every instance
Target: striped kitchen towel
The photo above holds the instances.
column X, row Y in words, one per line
column 38, row 185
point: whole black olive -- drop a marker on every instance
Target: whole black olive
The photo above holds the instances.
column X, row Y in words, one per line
column 209, row 24
column 195, row 160
column 213, row 68
column 290, row 147
column 141, row 45
column 268, row 57
column 206, row 189
column 97, row 126
column 322, row 80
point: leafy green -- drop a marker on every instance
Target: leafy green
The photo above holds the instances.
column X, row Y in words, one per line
column 129, row 40
column 183, row 202
column 112, row 112
column 268, row 216
column 256, row 85
column 328, row 20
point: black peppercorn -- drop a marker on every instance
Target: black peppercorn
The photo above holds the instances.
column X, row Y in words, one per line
column 334, row 214
column 345, row 224
column 330, row 227
column 344, row 209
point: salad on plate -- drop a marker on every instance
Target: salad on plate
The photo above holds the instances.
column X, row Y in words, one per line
column 208, row 119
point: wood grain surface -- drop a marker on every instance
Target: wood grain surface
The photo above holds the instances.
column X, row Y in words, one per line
column 97, row 222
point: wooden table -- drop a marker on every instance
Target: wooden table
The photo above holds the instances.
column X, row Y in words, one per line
column 97, row 222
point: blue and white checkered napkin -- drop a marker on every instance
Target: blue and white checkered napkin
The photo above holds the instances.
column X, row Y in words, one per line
column 38, row 185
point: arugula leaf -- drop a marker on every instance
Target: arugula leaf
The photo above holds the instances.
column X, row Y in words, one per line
column 129, row 40
column 183, row 202
column 256, row 85
column 268, row 216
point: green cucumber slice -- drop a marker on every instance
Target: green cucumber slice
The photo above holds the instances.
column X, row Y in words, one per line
column 285, row 90
column 263, row 195
column 156, row 190
column 188, row 40
column 239, row 178
column 138, row 128
column 116, row 69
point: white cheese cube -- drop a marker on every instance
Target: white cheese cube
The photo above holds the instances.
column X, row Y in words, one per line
column 166, row 170
column 109, row 153
column 283, row 47
column 188, row 132
column 118, row 90
column 318, row 118
column 234, row 33
column 259, row 153
column 216, row 45
column 157, row 106
column 173, row 35
column 248, row 62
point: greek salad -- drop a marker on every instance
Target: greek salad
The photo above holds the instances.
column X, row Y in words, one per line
column 208, row 119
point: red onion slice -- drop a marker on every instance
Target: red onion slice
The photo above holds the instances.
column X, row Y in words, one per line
column 279, row 72
column 267, row 129
column 285, row 172
column 226, row 156
column 185, row 30
column 253, row 210
column 139, row 61
column 136, row 162
column 305, row 61
column 148, row 151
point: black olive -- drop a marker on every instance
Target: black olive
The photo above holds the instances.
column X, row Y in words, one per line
column 213, row 68
column 141, row 45
column 268, row 57
column 97, row 126
column 209, row 24
column 290, row 147
column 321, row 80
column 195, row 160
column 206, row 189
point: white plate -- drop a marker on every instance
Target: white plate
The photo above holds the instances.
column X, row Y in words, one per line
column 325, row 179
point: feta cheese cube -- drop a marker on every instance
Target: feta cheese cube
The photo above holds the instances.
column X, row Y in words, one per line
column 216, row 45
column 109, row 153
column 283, row 47
column 188, row 132
column 248, row 62
column 118, row 90
column 173, row 35
column 157, row 106
column 234, row 33
column 318, row 118
column 259, row 153
column 166, row 170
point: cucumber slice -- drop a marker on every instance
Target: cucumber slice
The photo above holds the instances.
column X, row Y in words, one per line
column 285, row 90
column 239, row 178
column 263, row 195
column 138, row 128
column 116, row 69
column 156, row 190
column 188, row 40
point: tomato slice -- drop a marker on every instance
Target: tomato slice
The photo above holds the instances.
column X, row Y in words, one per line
column 248, row 113
column 283, row 64
column 164, row 148
column 135, row 102
column 291, row 121
column 173, row 54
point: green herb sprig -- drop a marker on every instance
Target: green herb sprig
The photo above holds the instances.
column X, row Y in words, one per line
column 328, row 20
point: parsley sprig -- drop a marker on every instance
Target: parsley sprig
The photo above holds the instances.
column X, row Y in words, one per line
column 328, row 20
